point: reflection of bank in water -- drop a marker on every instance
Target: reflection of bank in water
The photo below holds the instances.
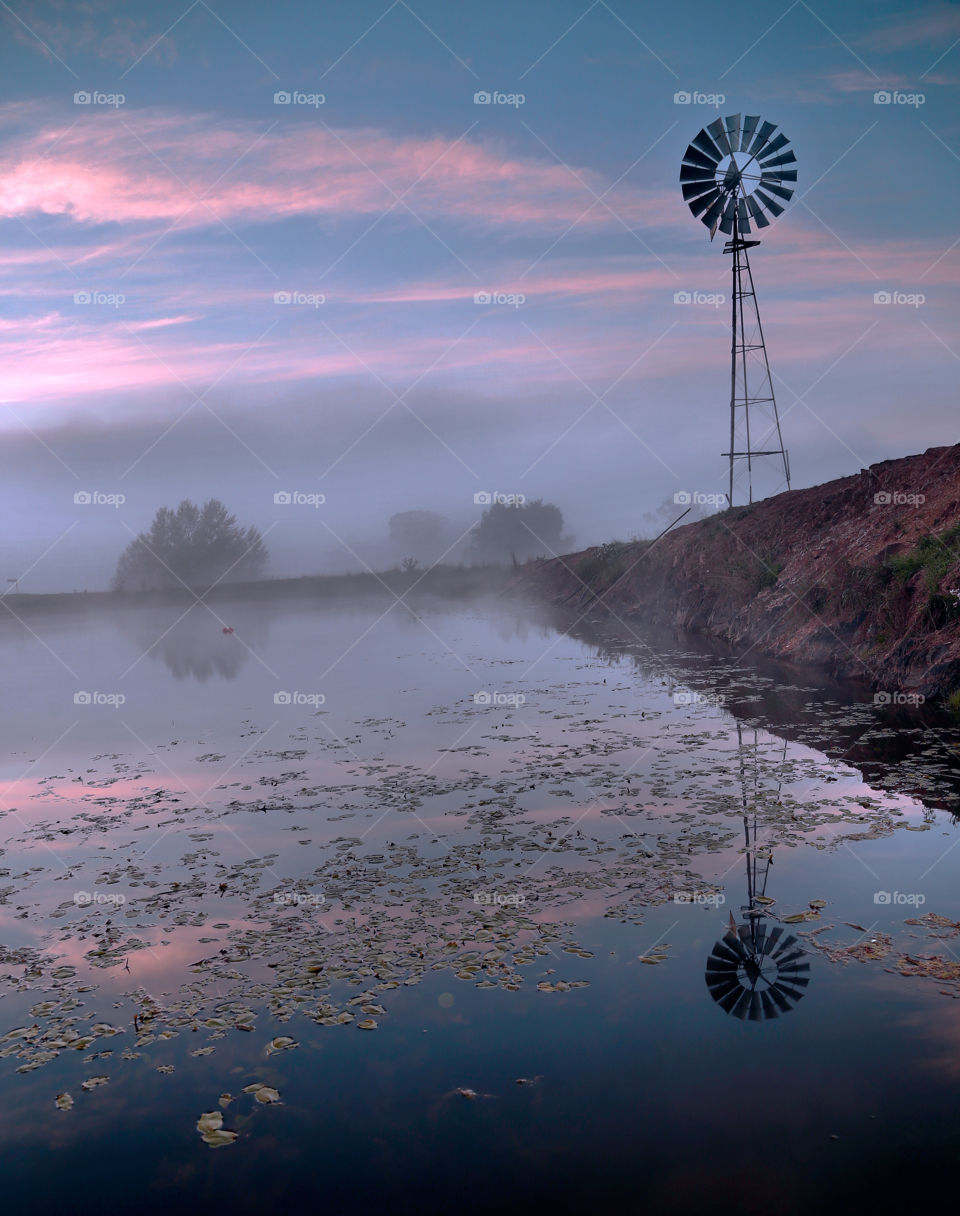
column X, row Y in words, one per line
column 756, row 972
column 197, row 644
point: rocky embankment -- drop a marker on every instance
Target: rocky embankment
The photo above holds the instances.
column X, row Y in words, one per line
column 856, row 575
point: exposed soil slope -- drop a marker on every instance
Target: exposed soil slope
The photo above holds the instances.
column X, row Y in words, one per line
column 854, row 575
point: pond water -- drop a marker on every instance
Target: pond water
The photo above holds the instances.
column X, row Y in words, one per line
column 451, row 908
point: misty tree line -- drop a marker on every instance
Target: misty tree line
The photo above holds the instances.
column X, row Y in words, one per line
column 196, row 546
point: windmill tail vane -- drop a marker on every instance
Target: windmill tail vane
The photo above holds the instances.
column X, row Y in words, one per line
column 736, row 173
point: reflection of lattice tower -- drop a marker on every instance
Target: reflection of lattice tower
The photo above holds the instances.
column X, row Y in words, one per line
column 728, row 176
column 756, row 973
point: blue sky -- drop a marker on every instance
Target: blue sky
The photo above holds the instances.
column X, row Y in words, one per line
column 148, row 231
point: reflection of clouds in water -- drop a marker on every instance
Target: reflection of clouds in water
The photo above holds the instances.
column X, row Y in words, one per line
column 193, row 645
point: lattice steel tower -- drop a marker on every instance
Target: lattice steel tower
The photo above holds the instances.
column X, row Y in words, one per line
column 728, row 175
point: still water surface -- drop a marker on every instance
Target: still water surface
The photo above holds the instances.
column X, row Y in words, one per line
column 509, row 853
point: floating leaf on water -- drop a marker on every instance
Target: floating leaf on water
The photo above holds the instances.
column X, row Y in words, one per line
column 64, row 1101
column 281, row 1043
column 219, row 1138
column 203, row 1051
column 211, row 1121
column 818, row 903
column 94, row 1082
column 470, row 1094
column 367, row 1024
column 165, row 1068
column 795, row 919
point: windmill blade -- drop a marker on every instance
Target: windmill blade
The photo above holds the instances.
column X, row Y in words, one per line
column 708, row 147
column 768, row 202
column 719, row 134
column 775, row 145
column 728, row 951
column 690, row 173
column 693, row 156
column 726, row 221
column 776, row 933
column 785, row 158
column 732, row 127
column 787, row 991
column 780, row 191
column 699, row 205
column 728, row 1001
column 777, row 996
column 743, row 221
column 713, row 215
column 761, row 137
column 749, row 126
column 770, row 1010
column 742, row 1007
column 778, row 175
column 695, row 189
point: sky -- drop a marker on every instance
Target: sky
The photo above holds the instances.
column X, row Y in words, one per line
column 398, row 254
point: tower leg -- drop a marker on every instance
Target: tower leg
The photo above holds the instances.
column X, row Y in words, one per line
column 751, row 385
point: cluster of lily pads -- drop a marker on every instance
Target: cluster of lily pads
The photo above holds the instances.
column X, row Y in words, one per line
column 477, row 863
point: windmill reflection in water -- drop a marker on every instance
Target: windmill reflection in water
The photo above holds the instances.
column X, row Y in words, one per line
column 756, row 972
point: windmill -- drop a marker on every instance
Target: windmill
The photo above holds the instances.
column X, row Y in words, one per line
column 729, row 177
column 755, row 973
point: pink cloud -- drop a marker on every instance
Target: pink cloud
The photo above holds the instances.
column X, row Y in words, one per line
column 152, row 166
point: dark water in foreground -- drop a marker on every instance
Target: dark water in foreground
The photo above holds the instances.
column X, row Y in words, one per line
column 211, row 865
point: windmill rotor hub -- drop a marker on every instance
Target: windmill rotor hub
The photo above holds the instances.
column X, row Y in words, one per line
column 737, row 172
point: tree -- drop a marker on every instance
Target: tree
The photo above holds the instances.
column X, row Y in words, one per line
column 519, row 531
column 192, row 545
column 419, row 534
